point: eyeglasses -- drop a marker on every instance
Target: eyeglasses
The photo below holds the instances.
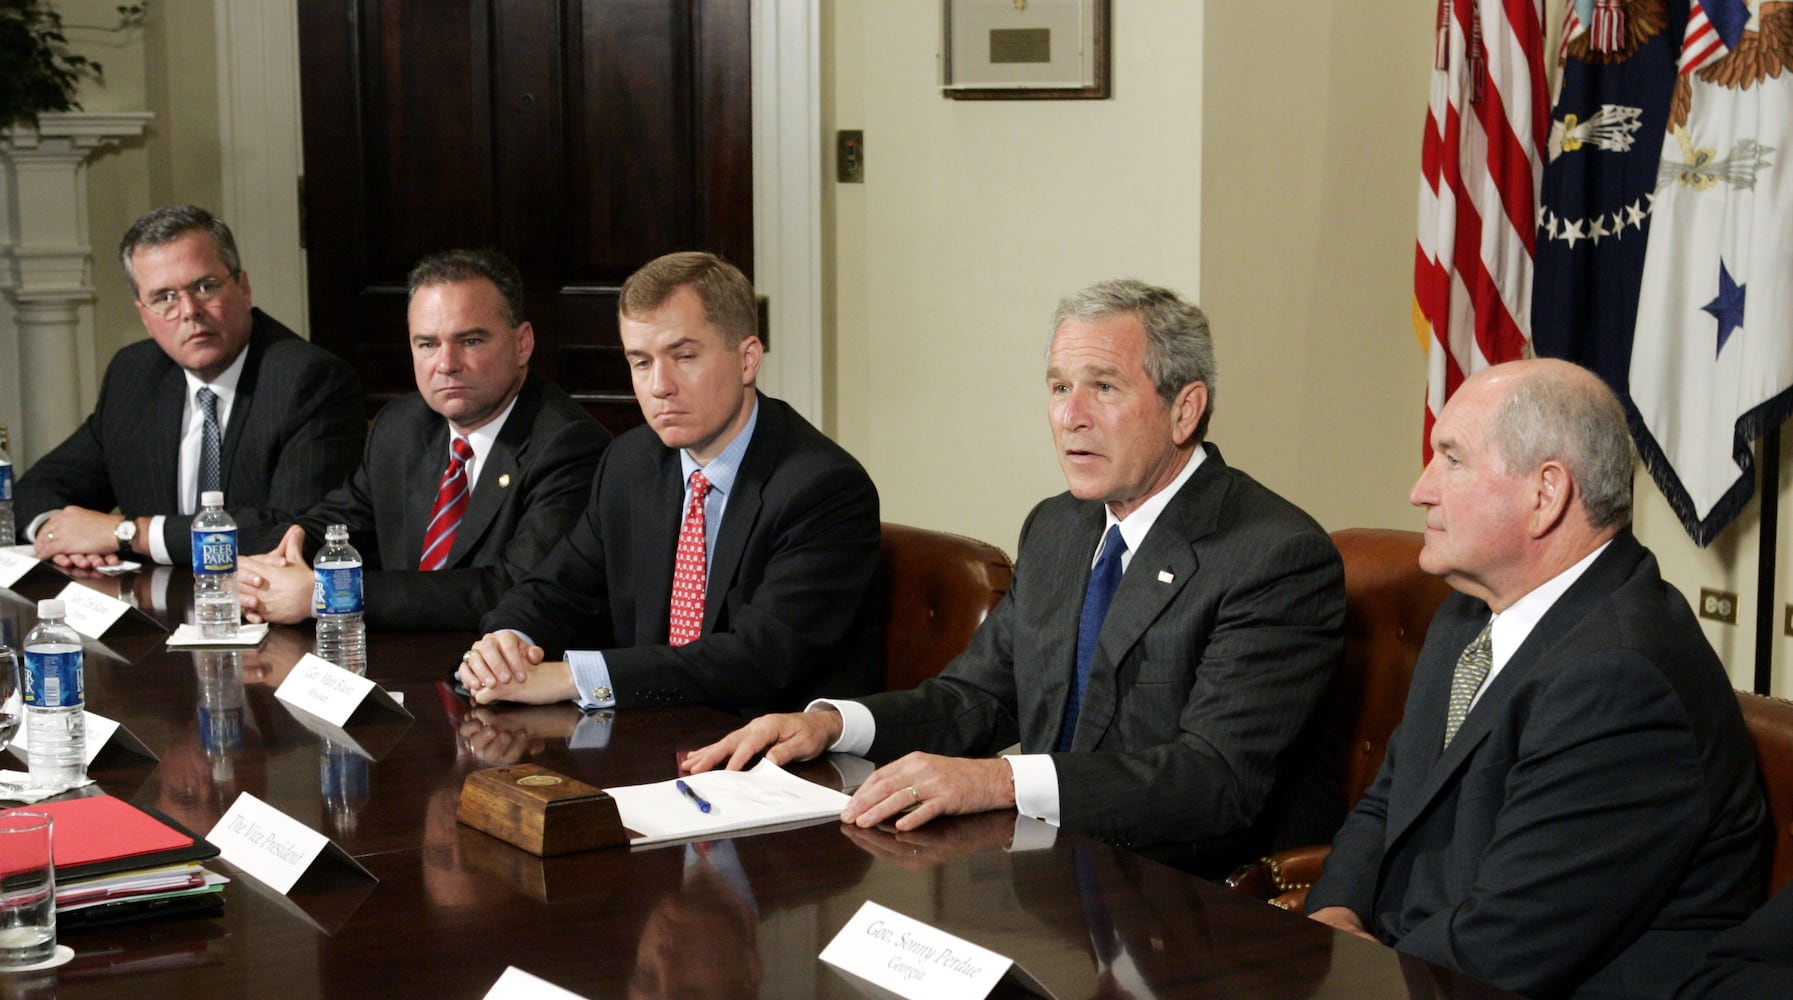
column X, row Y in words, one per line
column 167, row 302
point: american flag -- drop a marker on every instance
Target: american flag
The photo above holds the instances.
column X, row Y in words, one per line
column 1713, row 28
column 1485, row 126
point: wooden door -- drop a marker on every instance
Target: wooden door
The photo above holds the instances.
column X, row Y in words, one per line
column 581, row 138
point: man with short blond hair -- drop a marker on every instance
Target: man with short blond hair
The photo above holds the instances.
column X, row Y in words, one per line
column 728, row 551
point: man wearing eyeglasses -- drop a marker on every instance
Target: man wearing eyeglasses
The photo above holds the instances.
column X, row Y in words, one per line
column 221, row 396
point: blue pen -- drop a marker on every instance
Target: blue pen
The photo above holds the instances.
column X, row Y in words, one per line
column 691, row 793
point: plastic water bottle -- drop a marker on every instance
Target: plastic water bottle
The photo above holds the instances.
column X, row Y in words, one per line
column 336, row 602
column 215, row 569
column 55, row 700
column 7, row 535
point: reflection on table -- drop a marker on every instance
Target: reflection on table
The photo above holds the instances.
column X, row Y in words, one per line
column 742, row 917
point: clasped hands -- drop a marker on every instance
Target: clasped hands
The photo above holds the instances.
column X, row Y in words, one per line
column 77, row 538
column 914, row 789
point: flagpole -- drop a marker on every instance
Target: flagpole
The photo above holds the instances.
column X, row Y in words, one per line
column 1765, row 603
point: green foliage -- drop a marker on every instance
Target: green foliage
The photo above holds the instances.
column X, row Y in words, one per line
column 37, row 71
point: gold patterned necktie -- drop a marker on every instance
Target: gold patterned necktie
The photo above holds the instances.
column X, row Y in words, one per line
column 1472, row 670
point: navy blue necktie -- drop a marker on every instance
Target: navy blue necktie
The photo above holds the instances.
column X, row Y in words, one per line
column 1104, row 579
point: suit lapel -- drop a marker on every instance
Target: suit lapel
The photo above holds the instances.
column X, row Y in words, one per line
column 498, row 475
column 167, row 404
column 1444, row 763
column 1064, row 585
column 656, row 511
column 742, row 509
column 1157, row 573
column 240, row 410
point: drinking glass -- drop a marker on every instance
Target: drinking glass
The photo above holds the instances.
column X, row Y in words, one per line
column 27, row 889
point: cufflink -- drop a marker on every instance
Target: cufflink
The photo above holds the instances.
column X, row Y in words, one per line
column 504, row 480
column 600, row 694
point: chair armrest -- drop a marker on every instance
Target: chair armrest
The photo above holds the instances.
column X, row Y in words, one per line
column 1281, row 879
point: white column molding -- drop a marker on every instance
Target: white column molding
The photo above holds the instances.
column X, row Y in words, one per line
column 47, row 359
column 261, row 148
column 787, row 196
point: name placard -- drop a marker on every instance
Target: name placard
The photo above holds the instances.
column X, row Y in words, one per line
column 15, row 562
column 914, row 960
column 330, row 692
column 90, row 612
column 101, row 732
column 272, row 846
column 516, row 984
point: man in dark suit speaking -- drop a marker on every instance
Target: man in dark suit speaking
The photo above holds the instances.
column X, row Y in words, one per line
column 1570, row 804
column 221, row 397
column 1169, row 629
column 466, row 485
column 728, row 547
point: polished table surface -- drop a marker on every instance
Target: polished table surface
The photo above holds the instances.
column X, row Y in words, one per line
column 452, row 907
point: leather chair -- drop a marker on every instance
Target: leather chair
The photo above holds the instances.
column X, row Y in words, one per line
column 1381, row 646
column 938, row 587
column 1389, row 602
column 1770, row 722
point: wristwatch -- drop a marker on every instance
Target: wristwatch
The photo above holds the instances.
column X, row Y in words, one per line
column 126, row 533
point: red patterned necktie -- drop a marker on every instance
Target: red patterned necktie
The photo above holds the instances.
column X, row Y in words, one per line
column 688, row 576
column 450, row 506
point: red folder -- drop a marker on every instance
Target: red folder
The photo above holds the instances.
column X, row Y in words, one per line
column 99, row 834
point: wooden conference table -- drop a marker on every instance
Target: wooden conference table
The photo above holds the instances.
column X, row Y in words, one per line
column 747, row 917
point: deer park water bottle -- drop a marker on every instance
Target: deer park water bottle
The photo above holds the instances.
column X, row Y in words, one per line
column 55, row 700
column 336, row 602
column 215, row 568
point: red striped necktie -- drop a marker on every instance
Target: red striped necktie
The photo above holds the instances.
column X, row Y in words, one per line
column 450, row 506
column 688, row 573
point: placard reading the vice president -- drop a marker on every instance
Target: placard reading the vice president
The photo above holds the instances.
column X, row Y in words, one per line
column 912, row 959
column 270, row 845
column 330, row 692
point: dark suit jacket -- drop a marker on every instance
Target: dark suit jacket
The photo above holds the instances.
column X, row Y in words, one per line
column 1595, row 820
column 787, row 612
column 532, row 486
column 1750, row 961
column 295, row 428
column 1220, row 640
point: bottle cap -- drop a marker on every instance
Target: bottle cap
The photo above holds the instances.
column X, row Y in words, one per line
column 51, row 607
column 212, row 498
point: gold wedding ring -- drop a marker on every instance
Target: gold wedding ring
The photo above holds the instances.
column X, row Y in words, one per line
column 468, row 655
column 913, row 794
column 51, row 536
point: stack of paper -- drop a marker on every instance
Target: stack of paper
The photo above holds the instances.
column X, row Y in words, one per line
column 765, row 796
column 116, row 862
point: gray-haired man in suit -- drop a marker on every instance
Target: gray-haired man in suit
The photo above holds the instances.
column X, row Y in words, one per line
column 1570, row 805
column 221, row 397
column 1170, row 626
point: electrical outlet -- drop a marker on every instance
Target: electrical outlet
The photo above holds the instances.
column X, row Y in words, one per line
column 1789, row 624
column 1718, row 605
column 849, row 156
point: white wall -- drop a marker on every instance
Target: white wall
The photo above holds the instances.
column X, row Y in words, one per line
column 974, row 218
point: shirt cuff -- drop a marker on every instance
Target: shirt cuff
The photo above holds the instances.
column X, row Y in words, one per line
column 591, row 679
column 1036, row 786
column 158, row 546
column 857, row 728
column 36, row 523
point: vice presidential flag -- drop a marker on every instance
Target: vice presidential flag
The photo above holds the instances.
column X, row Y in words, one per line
column 1485, row 127
column 1712, row 357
